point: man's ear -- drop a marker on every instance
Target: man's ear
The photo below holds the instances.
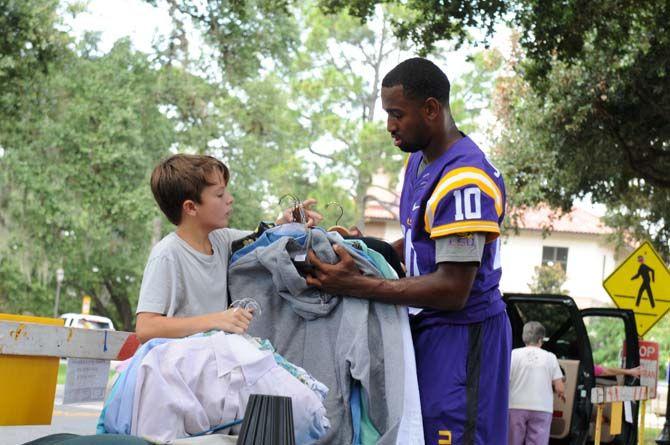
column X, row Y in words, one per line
column 432, row 109
column 189, row 207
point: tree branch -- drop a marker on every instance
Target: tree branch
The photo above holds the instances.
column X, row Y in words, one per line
column 311, row 150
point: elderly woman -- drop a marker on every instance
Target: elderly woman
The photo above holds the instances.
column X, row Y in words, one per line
column 534, row 373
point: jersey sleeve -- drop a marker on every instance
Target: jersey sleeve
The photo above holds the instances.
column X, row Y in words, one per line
column 465, row 200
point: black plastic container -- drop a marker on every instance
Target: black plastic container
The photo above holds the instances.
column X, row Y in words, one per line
column 268, row 420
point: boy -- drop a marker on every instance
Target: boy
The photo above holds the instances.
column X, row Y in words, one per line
column 184, row 286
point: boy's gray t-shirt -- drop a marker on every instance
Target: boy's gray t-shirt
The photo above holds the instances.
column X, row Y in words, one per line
column 179, row 281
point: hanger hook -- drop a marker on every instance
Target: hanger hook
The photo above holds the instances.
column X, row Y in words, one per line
column 296, row 201
column 298, row 211
column 337, row 222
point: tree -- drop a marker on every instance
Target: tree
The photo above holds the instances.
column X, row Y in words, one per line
column 593, row 128
column 429, row 21
column 75, row 179
column 548, row 279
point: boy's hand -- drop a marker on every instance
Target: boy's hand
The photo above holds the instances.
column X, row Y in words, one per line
column 313, row 217
column 235, row 320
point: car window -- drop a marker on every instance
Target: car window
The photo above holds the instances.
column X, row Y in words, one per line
column 607, row 336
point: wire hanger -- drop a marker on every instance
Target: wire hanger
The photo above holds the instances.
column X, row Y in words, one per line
column 337, row 227
column 337, row 221
column 298, row 211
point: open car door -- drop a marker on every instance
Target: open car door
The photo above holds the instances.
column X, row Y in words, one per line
column 567, row 338
column 611, row 331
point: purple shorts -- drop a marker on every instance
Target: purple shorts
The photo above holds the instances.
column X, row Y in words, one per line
column 463, row 373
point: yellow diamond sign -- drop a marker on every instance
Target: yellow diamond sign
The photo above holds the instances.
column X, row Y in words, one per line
column 641, row 283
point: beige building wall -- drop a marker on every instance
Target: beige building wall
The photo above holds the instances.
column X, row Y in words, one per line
column 590, row 260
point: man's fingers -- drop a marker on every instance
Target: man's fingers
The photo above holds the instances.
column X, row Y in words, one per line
column 309, row 202
column 314, row 260
column 311, row 281
column 341, row 252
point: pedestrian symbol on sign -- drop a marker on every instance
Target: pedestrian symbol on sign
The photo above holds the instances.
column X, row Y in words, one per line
column 641, row 277
column 646, row 273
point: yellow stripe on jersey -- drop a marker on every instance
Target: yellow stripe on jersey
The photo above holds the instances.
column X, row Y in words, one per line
column 457, row 178
column 492, row 229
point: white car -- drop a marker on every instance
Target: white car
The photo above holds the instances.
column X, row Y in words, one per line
column 87, row 321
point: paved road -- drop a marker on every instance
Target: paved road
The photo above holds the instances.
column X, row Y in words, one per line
column 77, row 419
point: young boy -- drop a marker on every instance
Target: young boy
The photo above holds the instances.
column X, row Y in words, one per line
column 184, row 287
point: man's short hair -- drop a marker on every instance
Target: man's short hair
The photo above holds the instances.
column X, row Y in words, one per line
column 533, row 333
column 420, row 79
column 182, row 177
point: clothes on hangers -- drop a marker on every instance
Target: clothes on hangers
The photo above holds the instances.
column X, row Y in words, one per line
column 294, row 230
column 383, row 248
column 250, row 238
column 411, row 425
column 339, row 340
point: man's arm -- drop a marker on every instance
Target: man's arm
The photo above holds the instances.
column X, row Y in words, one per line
column 446, row 289
column 152, row 325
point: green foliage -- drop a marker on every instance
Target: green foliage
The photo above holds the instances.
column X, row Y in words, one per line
column 594, row 128
column 548, row 280
column 607, row 337
column 29, row 41
column 75, row 175
column 429, row 21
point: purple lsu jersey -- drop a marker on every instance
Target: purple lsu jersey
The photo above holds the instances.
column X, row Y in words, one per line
column 458, row 193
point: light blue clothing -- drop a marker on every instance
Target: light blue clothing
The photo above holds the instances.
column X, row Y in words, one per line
column 365, row 432
column 117, row 413
column 376, row 258
column 294, row 230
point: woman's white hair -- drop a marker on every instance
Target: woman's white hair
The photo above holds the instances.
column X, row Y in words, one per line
column 533, row 333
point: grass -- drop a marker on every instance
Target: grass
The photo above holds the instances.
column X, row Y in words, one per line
column 650, row 435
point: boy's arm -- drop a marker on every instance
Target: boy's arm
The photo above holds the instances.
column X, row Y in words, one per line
column 152, row 325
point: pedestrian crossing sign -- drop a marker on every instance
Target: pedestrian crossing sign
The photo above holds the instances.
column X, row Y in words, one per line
column 641, row 283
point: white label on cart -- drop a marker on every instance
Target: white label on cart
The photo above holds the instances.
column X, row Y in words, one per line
column 86, row 380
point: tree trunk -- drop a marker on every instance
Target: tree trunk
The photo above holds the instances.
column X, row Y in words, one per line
column 123, row 308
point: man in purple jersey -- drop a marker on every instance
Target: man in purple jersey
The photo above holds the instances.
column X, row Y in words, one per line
column 451, row 209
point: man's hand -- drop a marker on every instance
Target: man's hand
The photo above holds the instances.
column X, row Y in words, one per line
column 313, row 217
column 338, row 278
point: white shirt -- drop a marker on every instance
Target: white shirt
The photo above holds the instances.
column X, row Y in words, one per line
column 191, row 385
column 532, row 373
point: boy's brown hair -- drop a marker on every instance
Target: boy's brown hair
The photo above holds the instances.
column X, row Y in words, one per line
column 182, row 177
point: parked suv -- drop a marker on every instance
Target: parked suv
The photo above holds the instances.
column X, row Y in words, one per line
column 87, row 321
column 572, row 336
